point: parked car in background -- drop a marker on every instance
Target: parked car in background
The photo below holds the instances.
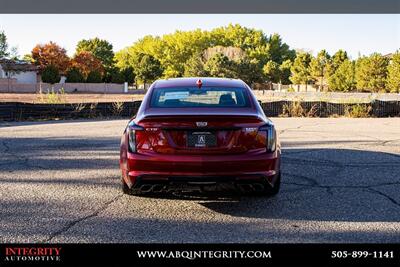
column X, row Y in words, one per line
column 207, row 134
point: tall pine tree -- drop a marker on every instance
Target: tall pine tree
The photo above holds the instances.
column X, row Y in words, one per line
column 393, row 75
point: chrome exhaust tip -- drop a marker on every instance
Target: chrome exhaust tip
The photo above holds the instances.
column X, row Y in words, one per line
column 146, row 188
column 158, row 188
column 249, row 188
column 258, row 187
column 244, row 188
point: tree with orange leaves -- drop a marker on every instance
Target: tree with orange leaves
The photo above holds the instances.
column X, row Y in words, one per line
column 44, row 55
column 86, row 62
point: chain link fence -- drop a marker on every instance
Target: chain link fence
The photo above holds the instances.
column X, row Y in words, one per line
column 27, row 111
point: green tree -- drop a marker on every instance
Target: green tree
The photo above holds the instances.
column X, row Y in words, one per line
column 74, row 76
column 393, row 76
column 238, row 36
column 335, row 61
column 343, row 79
column 339, row 57
column 5, row 50
column 371, row 73
column 3, row 45
column 245, row 69
column 278, row 73
column 279, row 51
column 194, row 66
column 254, row 42
column 285, row 72
column 116, row 76
column 13, row 54
column 272, row 71
column 176, row 49
column 238, row 64
column 94, row 77
column 131, row 57
column 148, row 69
column 51, row 74
column 123, row 58
column 248, row 70
column 219, row 66
column 177, row 52
column 129, row 75
column 318, row 68
column 301, row 69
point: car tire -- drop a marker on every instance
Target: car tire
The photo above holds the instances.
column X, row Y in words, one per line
column 125, row 188
column 272, row 191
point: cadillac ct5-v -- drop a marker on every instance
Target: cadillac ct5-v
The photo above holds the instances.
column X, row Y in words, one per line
column 200, row 134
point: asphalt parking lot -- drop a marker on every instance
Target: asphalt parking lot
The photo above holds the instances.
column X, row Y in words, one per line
column 60, row 182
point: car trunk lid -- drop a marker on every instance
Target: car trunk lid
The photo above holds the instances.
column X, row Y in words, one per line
column 200, row 134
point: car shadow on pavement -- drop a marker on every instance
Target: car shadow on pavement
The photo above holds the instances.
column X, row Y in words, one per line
column 68, row 162
column 327, row 185
column 326, row 195
column 53, row 153
column 323, row 184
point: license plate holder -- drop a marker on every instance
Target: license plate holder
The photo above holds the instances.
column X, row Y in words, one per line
column 201, row 139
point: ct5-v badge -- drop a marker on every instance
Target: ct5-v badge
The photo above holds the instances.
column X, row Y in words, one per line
column 201, row 123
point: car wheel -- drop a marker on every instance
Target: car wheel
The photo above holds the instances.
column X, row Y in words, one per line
column 125, row 188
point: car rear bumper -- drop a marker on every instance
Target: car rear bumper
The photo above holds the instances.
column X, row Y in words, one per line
column 203, row 184
column 202, row 170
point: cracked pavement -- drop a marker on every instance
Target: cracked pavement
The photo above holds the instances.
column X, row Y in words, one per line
column 60, row 182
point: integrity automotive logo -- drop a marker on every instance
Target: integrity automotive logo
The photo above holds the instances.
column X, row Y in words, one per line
column 32, row 254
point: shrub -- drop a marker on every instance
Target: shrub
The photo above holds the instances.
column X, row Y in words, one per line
column 117, row 77
column 393, row 79
column 75, row 76
column 129, row 75
column 51, row 75
column 79, row 107
column 117, row 108
column 371, row 72
column 93, row 110
column 52, row 97
column 358, row 111
column 294, row 109
column 94, row 77
column 343, row 79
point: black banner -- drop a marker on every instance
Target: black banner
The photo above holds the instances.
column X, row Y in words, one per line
column 200, row 254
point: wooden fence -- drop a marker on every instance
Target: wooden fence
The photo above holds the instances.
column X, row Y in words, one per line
column 25, row 111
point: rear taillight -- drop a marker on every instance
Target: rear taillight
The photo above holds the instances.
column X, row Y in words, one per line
column 271, row 136
column 131, row 130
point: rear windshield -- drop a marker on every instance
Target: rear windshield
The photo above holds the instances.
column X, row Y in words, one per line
column 183, row 97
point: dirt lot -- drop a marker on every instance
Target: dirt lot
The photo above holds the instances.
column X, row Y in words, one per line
column 335, row 97
column 265, row 96
column 69, row 98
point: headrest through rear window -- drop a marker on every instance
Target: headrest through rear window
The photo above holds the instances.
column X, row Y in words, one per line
column 226, row 99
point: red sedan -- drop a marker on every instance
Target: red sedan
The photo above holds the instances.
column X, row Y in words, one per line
column 207, row 134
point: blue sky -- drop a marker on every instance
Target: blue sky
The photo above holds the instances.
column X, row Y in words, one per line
column 358, row 34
